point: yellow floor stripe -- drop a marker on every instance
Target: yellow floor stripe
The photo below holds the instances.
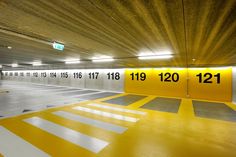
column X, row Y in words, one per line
column 186, row 108
column 231, row 105
column 110, row 97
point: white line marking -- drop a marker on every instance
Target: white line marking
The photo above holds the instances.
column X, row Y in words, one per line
column 117, row 109
column 78, row 96
column 106, row 114
column 12, row 145
column 104, row 125
column 93, row 144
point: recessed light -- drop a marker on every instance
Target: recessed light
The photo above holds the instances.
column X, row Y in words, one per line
column 102, row 59
column 163, row 54
column 155, row 57
column 37, row 63
column 72, row 61
column 14, row 65
column 155, row 53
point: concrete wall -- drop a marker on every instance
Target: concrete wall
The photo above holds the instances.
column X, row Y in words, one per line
column 90, row 78
column 100, row 79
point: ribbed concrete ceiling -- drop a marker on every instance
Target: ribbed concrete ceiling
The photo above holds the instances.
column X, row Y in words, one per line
column 201, row 29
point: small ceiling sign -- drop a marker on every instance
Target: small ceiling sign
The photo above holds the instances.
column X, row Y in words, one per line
column 58, row 46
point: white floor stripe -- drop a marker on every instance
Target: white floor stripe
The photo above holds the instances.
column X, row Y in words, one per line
column 89, row 121
column 106, row 114
column 117, row 109
column 78, row 96
column 12, row 145
column 93, row 144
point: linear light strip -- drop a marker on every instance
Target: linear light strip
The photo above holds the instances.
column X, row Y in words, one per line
column 155, row 57
column 103, row 60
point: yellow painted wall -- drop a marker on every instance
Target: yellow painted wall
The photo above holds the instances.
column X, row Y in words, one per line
column 211, row 89
column 187, row 85
column 153, row 84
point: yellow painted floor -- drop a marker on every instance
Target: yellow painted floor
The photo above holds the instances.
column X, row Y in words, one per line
column 156, row 134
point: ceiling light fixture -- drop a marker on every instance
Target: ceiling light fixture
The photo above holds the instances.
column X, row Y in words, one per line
column 164, row 54
column 72, row 62
column 37, row 63
column 155, row 57
column 156, row 53
column 14, row 65
column 9, row 47
column 102, row 59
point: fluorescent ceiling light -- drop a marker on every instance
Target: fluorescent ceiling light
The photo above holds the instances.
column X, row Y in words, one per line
column 37, row 63
column 72, row 61
column 102, row 59
column 156, row 53
column 14, row 65
column 155, row 57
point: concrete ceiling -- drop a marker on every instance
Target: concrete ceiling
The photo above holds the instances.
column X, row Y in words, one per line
column 201, row 29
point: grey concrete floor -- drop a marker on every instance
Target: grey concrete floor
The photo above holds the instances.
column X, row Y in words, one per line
column 22, row 97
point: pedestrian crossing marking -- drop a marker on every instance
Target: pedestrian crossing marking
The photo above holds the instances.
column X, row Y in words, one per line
column 9, row 143
column 116, row 109
column 90, row 121
column 104, row 130
column 106, row 114
column 93, row 144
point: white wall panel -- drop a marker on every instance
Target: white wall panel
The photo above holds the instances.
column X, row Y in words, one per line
column 53, row 77
column 63, row 77
column 27, row 77
column 13, row 76
column 43, row 77
column 77, row 78
column 113, row 79
column 94, row 78
column 5, row 75
column 21, row 76
column 35, row 76
column 101, row 79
